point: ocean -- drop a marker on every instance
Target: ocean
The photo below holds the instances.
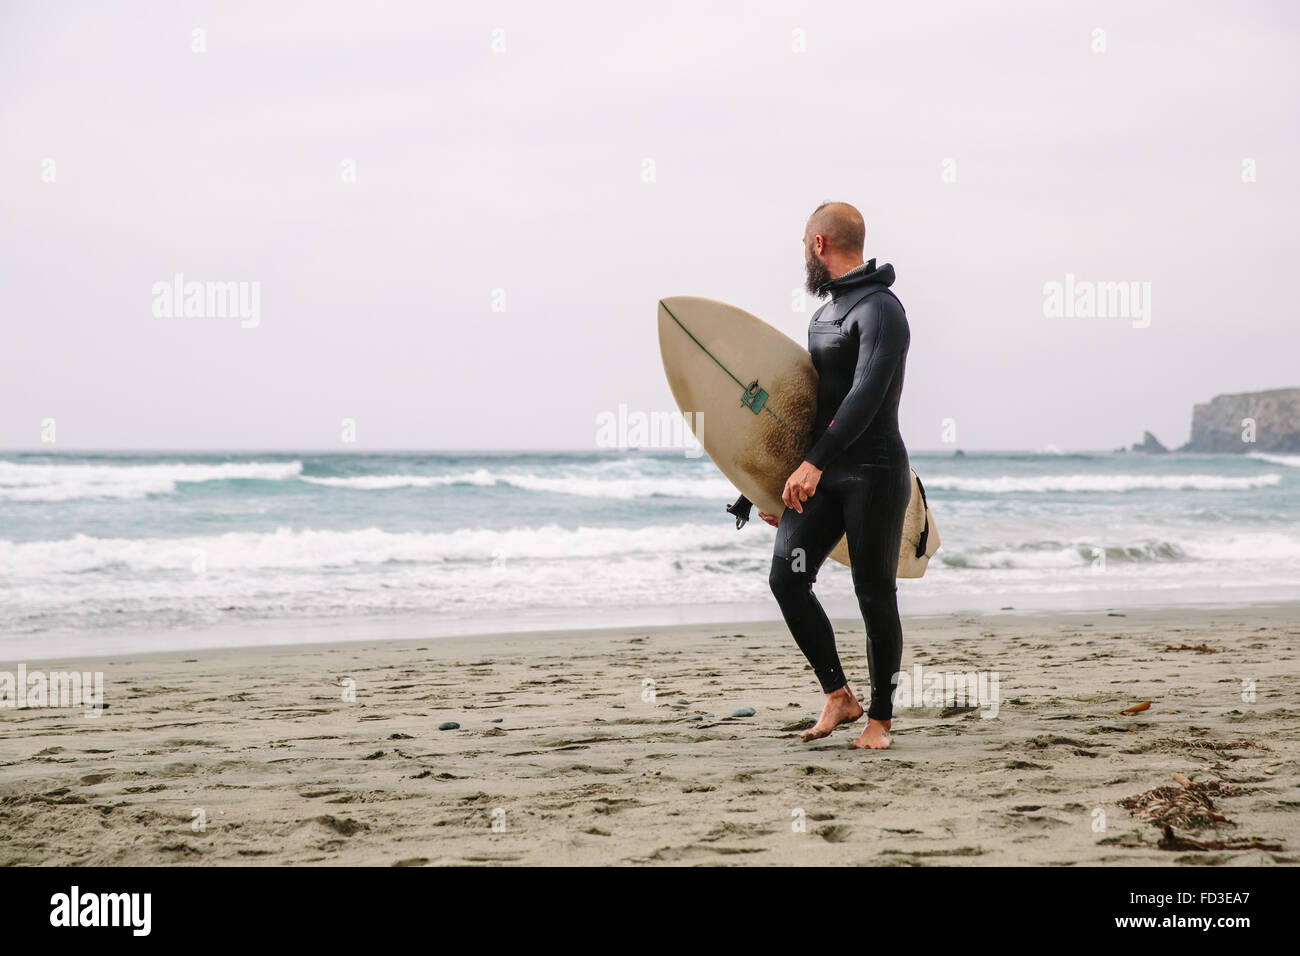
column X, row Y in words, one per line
column 120, row 552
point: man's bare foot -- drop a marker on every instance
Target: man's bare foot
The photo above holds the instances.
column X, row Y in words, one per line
column 875, row 737
column 841, row 708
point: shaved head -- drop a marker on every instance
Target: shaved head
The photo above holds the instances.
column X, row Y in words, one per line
column 842, row 226
column 833, row 242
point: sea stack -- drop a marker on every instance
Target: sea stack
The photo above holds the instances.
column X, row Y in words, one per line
column 1150, row 445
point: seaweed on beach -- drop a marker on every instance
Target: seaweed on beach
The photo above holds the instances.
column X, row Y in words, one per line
column 1183, row 744
column 1191, row 744
column 1188, row 805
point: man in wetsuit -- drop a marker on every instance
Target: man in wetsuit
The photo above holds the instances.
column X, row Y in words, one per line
column 855, row 479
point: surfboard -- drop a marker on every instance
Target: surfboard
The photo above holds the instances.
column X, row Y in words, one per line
column 749, row 392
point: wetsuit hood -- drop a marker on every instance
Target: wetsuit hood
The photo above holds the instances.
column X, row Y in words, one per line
column 865, row 274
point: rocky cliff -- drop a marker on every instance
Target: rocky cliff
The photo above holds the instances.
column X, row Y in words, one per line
column 1223, row 425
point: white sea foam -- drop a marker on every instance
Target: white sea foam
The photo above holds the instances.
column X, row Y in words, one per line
column 1291, row 461
column 1006, row 530
column 473, row 547
column 305, row 549
column 20, row 481
column 621, row 487
column 608, row 480
column 1013, row 484
column 481, row 477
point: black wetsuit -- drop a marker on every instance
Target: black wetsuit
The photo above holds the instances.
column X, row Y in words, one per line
column 858, row 342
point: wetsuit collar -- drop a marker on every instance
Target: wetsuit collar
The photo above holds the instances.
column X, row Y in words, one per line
column 863, row 274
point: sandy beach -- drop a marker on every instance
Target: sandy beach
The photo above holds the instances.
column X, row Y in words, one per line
column 619, row 747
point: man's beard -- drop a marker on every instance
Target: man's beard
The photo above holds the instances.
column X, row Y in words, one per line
column 818, row 274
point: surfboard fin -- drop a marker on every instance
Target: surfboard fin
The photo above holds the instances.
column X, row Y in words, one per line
column 924, row 539
column 740, row 508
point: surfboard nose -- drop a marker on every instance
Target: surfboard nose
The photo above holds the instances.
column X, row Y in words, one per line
column 678, row 305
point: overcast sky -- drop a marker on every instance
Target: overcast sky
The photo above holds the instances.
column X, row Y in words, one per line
column 524, row 170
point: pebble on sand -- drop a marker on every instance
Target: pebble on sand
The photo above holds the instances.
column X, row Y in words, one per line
column 449, row 725
column 743, row 712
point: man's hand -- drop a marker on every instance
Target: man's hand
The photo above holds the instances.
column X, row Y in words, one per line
column 801, row 486
column 773, row 520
